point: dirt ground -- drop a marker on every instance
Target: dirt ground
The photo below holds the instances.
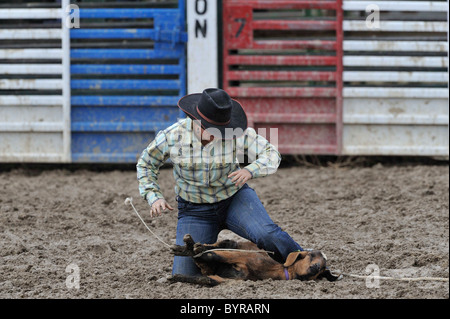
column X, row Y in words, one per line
column 55, row 221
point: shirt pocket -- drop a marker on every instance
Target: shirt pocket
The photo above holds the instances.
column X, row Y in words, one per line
column 193, row 173
column 218, row 173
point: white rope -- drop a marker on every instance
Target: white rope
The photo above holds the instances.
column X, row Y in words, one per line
column 240, row 250
column 129, row 201
column 398, row 279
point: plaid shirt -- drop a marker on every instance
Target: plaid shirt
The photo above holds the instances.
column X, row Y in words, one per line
column 201, row 173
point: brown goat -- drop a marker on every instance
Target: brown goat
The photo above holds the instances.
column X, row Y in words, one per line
column 229, row 259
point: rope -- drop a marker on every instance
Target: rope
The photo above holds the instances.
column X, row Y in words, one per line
column 398, row 279
column 240, row 250
column 129, row 201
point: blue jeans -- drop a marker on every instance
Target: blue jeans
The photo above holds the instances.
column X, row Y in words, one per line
column 243, row 214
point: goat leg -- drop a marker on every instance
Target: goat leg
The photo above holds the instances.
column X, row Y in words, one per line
column 224, row 244
column 187, row 250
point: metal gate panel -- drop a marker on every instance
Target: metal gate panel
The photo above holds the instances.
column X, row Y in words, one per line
column 283, row 62
column 128, row 73
column 396, row 83
column 34, row 84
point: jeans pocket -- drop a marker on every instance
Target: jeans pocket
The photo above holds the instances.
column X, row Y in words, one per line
column 182, row 206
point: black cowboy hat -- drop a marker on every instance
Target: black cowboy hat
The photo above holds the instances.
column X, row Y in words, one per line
column 214, row 108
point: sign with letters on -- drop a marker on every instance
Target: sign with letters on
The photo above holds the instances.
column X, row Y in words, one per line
column 202, row 45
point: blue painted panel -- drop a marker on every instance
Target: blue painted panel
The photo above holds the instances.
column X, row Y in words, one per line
column 173, row 53
column 112, row 33
column 122, row 119
column 125, row 100
column 152, row 34
column 117, row 128
column 166, row 14
column 107, row 147
column 124, row 69
column 120, row 127
column 126, row 84
column 123, row 113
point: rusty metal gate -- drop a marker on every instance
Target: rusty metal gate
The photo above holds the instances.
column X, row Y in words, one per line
column 283, row 61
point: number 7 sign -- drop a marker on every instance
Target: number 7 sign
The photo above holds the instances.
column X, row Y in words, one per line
column 238, row 25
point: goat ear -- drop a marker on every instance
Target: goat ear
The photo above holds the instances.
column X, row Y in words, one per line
column 293, row 257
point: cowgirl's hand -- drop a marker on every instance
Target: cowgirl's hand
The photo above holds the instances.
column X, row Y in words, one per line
column 158, row 207
column 240, row 177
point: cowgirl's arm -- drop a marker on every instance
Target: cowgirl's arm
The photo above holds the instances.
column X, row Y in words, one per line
column 264, row 157
column 151, row 160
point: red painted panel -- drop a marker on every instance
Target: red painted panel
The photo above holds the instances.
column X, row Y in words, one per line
column 291, row 118
column 298, row 92
column 280, row 4
column 281, row 92
column 294, row 44
column 289, row 110
column 294, row 25
column 280, row 60
column 282, row 75
column 289, row 105
column 237, row 26
column 301, row 138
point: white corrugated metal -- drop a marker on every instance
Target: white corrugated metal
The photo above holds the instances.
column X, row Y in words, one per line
column 30, row 68
column 396, row 82
column 395, row 92
column 30, row 54
column 426, row 111
column 29, row 34
column 30, row 84
column 31, row 114
column 35, row 104
column 396, row 76
column 394, row 61
column 385, row 139
column 398, row 26
column 406, row 6
column 393, row 46
column 27, row 100
column 46, row 13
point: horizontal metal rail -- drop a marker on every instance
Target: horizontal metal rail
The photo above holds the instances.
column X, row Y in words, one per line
column 282, row 92
column 294, row 25
column 282, row 4
column 281, row 76
column 406, row 6
column 129, row 54
column 281, row 60
column 124, row 69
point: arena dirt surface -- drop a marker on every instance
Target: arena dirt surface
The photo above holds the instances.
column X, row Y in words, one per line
column 394, row 216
